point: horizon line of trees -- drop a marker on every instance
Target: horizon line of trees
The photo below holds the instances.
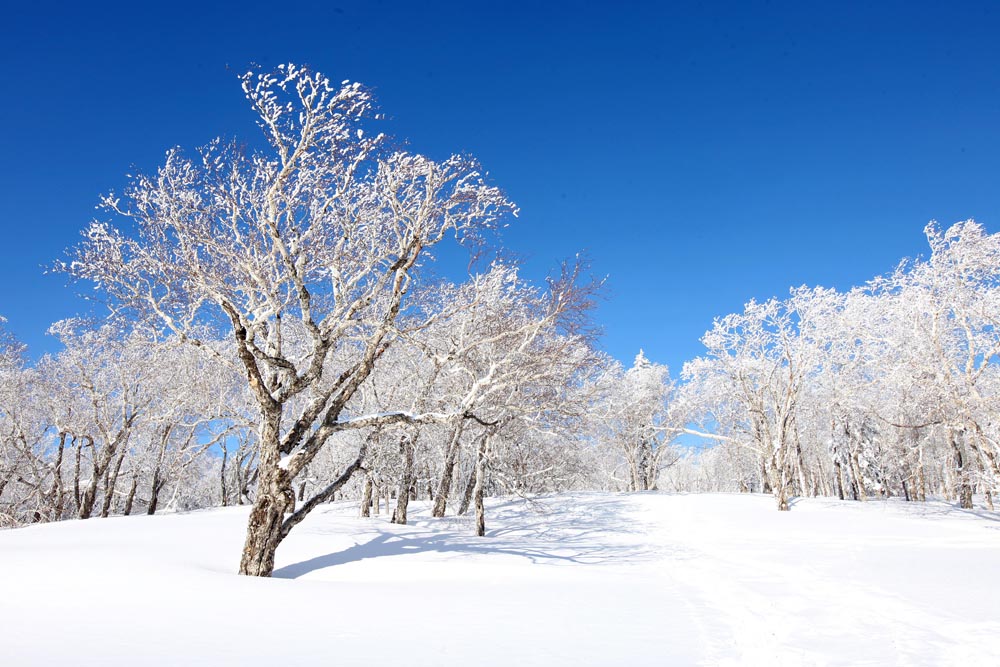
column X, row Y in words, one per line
column 885, row 390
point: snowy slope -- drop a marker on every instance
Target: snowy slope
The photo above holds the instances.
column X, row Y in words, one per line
column 593, row 579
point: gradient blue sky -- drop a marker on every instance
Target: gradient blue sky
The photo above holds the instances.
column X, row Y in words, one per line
column 701, row 153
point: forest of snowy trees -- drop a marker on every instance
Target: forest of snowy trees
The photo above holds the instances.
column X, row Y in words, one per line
column 278, row 337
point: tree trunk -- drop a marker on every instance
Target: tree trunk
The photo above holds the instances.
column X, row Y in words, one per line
column 480, row 511
column 154, row 492
column 130, row 499
column 859, row 485
column 639, row 462
column 76, row 476
column 800, row 467
column 403, row 497
column 90, row 493
column 838, row 477
column 780, row 477
column 765, row 481
column 222, row 477
column 470, row 487
column 964, row 488
column 430, row 481
column 366, row 498
column 480, row 476
column 781, row 492
column 274, row 499
column 57, row 481
column 87, row 503
column 110, row 482
column 451, row 459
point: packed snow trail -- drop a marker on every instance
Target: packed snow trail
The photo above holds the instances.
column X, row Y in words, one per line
column 584, row 579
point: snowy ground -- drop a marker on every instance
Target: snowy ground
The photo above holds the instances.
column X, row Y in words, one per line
column 593, row 579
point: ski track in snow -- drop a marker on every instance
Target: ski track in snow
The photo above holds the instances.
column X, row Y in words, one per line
column 583, row 579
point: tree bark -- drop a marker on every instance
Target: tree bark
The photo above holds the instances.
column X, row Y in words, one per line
column 366, row 498
column 800, row 467
column 478, row 492
column 111, row 481
column 765, row 481
column 90, row 493
column 859, row 485
column 781, row 493
column 964, row 488
column 780, row 478
column 406, row 447
column 222, row 477
column 130, row 499
column 154, row 492
column 76, row 476
column 57, row 481
column 451, row 459
column 274, row 499
column 470, row 485
column 838, row 478
column 430, row 481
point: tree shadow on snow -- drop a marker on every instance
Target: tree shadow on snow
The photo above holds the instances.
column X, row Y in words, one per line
column 932, row 509
column 947, row 509
column 535, row 530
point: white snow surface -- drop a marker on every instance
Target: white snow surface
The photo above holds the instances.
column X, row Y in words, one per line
column 584, row 579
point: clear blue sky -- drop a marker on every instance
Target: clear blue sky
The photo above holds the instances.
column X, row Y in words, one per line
column 701, row 153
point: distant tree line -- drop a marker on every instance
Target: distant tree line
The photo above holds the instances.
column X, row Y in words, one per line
column 891, row 389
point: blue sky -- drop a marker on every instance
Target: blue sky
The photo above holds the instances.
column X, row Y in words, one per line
column 700, row 153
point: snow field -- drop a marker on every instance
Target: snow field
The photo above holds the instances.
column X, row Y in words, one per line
column 585, row 579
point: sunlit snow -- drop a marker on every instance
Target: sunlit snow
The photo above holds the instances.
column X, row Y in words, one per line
column 591, row 579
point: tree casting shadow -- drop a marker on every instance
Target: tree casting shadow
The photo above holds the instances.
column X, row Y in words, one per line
column 557, row 537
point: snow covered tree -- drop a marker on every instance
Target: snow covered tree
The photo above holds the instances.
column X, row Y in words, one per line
column 635, row 414
column 754, row 372
column 318, row 236
column 949, row 303
column 26, row 493
column 500, row 351
column 887, row 388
